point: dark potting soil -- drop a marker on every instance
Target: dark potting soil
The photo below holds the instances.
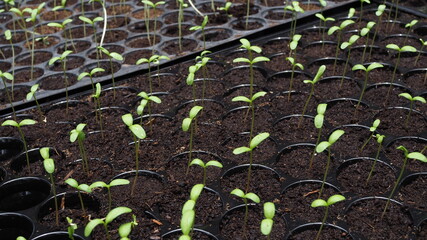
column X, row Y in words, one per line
column 295, row 129
column 233, row 122
column 396, row 156
column 412, row 191
column 285, row 104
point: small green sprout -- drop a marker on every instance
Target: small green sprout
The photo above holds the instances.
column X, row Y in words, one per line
column 22, row 238
column 125, row 229
column 316, row 79
column 363, row 33
column 367, row 70
column 295, row 9
column 71, row 228
column 98, row 113
column 372, row 129
column 80, row 136
column 187, row 223
column 146, row 100
column 154, row 59
column 91, row 75
column 19, row 126
column 324, row 20
column 115, row 182
column 413, row 155
column 267, row 222
column 63, row 61
column 339, row 29
column 91, row 22
column 49, row 166
column 138, row 133
column 322, row 203
column 111, row 56
column 423, row 44
column 322, row 146
column 147, row 11
column 380, row 139
column 361, row 8
column 200, row 163
column 32, row 94
column 226, row 8
column 294, row 65
column 80, row 188
column 186, row 125
column 318, row 123
column 294, row 44
column 348, row 45
column 113, row 214
column 412, row 100
column 202, row 27
column 245, row 196
column 195, row 192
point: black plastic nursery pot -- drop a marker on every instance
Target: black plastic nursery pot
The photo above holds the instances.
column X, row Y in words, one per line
column 285, row 167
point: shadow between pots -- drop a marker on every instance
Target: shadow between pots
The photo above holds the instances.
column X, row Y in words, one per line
column 13, row 225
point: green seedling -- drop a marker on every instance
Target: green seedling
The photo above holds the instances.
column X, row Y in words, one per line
column 187, row 221
column 353, row 39
column 409, row 27
column 200, row 163
column 371, row 67
column 380, row 139
column 32, row 94
column 8, row 36
column 372, row 129
column 80, row 136
column 294, row 65
column 91, row 22
column 71, row 228
column 186, row 125
column 154, row 59
column 413, row 155
column 80, row 188
column 412, row 100
column 318, row 123
column 49, row 166
column 91, row 75
column 379, row 14
column 21, row 15
column 33, row 18
column 267, row 222
column 226, row 8
column 323, row 20
column 258, row 139
column 113, row 214
column 111, row 56
column 8, row 4
column 322, row 146
column 316, row 79
column 295, row 9
column 322, row 203
column 294, row 44
column 146, row 101
column 361, row 8
column 63, row 60
column 19, row 126
column 399, row 51
column 423, row 44
column 96, row 96
column 154, row 7
column 364, row 33
column 203, row 60
column 115, row 182
column 191, row 76
column 202, row 27
column 138, row 133
column 182, row 5
column 59, row 7
column 245, row 196
column 125, row 229
column 339, row 30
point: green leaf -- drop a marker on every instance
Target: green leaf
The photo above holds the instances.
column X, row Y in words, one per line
column 80, row 127
column 320, row 16
column 98, row 90
column 186, row 124
column 127, row 119
column 420, row 99
column 241, row 99
column 196, row 191
column 82, row 75
column 143, row 95
column 393, row 46
column 256, row 49
column 72, row 182
column 258, row 139
column 21, row 238
column 113, row 214
column 7, row 75
column 335, row 136
column 188, row 206
column 34, row 88
column 318, row 120
column 119, row 182
column 85, row 188
column 293, row 45
column 27, row 122
column 98, row 184
column 370, row 25
column 406, row 95
column 141, row 60
column 44, row 152
column 375, row 125
column 138, row 131
column 73, row 135
column 198, row 162
column 374, row 65
column 380, row 138
column 319, row 203
column 266, row 226
column 184, row 237
column 344, row 45
column 53, row 60
column 124, row 230
column 116, row 56
column 10, row 123
column 65, row 54
column 405, row 151
column 346, row 23
column 245, row 43
column 291, row 60
column 54, row 24
column 322, row 146
column 418, row 156
column 321, row 108
column 8, row 35
column 300, row 66
column 253, row 197
column 269, row 210
column 236, row 60
column 187, row 221
column 214, row 164
column 335, row 198
column 260, row 59
column 364, row 31
column 258, row 94
column 380, row 10
column 241, row 150
column 408, row 49
column 49, row 165
column 319, row 73
column 91, row 225
column 96, row 70
column 238, row 192
column 29, row 96
column 353, row 39
column 86, row 20
column 194, row 111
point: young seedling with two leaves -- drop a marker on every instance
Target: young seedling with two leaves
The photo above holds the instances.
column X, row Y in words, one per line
column 32, row 94
column 113, row 183
column 154, row 59
column 294, row 65
column 423, row 44
column 189, row 213
column 327, row 145
column 251, row 107
column 294, row 44
column 258, row 139
column 353, row 39
column 323, row 20
column 412, row 100
column 316, row 79
column 19, row 126
column 146, row 101
column 372, row 129
column 364, row 33
column 380, row 139
column 245, row 196
column 97, row 99
column 49, row 166
column 154, row 6
column 138, row 133
column 267, row 222
column 80, row 188
column 113, row 214
column 413, row 155
column 202, row 27
column 187, row 125
column 111, row 56
column 200, row 163
column 367, row 70
column 91, row 75
column 379, row 14
column 318, row 123
column 339, row 30
column 126, row 228
column 63, row 60
column 72, row 227
column 295, row 9
column 80, row 136
column 62, row 26
column 322, row 203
